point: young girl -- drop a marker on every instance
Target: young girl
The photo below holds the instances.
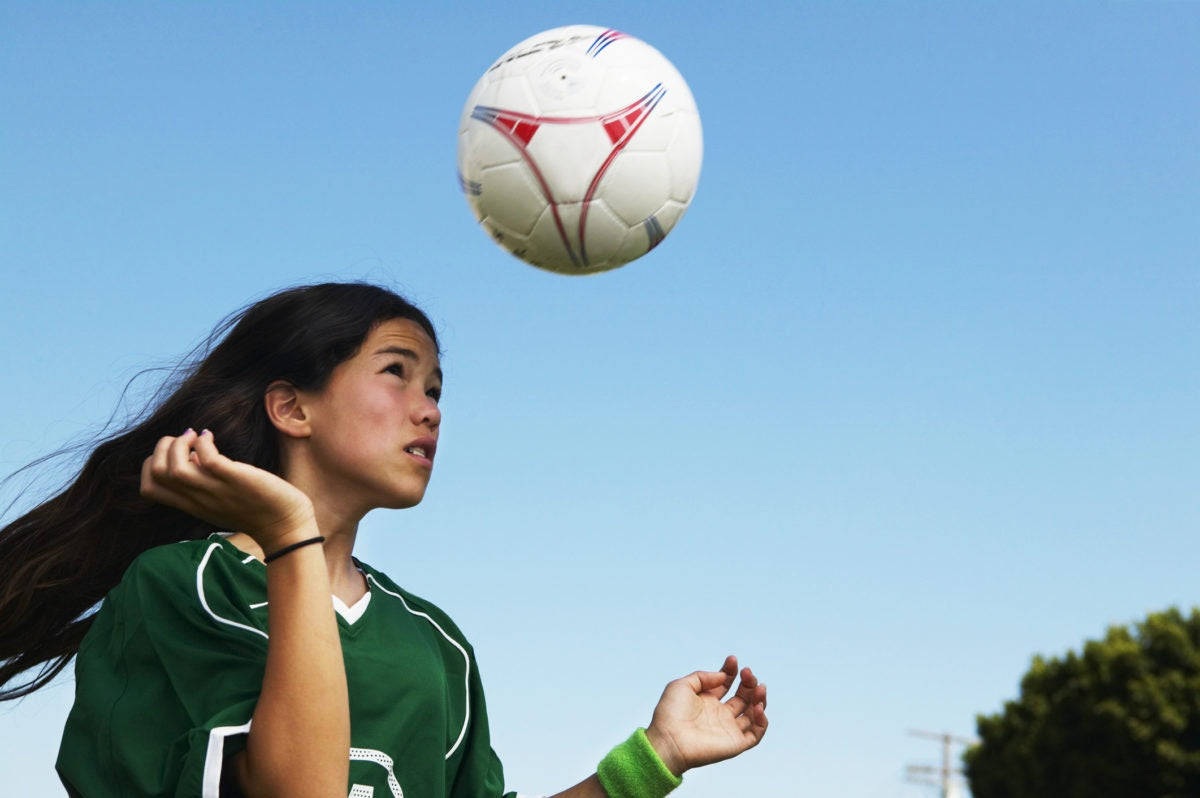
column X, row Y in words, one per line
column 240, row 649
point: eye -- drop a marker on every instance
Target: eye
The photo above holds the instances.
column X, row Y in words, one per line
column 395, row 368
column 435, row 394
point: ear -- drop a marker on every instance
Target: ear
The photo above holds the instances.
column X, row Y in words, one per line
column 282, row 402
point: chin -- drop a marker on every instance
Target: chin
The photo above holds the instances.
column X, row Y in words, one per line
column 403, row 501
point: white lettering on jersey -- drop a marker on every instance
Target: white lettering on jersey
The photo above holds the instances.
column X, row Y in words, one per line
column 385, row 762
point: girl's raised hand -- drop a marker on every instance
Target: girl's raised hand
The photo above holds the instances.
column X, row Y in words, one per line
column 187, row 472
column 692, row 726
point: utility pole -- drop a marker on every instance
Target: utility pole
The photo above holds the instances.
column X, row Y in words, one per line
column 935, row 776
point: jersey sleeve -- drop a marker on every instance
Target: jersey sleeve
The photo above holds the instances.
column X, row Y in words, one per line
column 167, row 679
column 480, row 772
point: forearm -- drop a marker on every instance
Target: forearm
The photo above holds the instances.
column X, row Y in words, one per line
column 299, row 738
column 588, row 788
column 637, row 767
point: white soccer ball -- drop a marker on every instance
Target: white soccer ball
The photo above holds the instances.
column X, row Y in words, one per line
column 579, row 149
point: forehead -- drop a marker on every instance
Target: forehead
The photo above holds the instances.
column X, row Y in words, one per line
column 403, row 334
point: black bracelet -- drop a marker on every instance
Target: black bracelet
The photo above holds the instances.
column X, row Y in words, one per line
column 289, row 549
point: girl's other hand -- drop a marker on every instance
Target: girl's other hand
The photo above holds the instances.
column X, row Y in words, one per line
column 692, row 726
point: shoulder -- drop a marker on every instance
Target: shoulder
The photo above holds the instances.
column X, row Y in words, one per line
column 181, row 592
column 187, row 571
column 171, row 561
column 391, row 592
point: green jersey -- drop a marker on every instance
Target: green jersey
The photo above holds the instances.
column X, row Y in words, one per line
column 168, row 676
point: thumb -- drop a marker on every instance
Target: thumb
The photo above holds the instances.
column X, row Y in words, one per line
column 706, row 681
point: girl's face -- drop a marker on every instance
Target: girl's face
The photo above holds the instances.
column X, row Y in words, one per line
column 374, row 426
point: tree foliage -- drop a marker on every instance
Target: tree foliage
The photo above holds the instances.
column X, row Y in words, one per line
column 1120, row 720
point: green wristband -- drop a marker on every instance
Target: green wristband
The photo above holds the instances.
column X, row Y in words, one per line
column 634, row 770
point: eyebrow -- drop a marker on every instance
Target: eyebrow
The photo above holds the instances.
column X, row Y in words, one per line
column 411, row 355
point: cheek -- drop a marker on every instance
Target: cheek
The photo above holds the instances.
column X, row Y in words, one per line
column 373, row 422
column 364, row 425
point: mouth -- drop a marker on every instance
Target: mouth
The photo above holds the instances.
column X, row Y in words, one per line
column 422, row 449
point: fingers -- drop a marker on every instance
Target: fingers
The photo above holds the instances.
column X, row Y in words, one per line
column 179, row 454
column 157, row 468
column 713, row 683
column 753, row 725
column 745, row 695
column 727, row 674
column 177, row 466
column 716, row 684
column 205, row 451
column 749, row 704
column 750, row 707
column 758, row 718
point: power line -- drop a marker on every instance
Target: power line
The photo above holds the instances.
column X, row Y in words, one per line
column 938, row 776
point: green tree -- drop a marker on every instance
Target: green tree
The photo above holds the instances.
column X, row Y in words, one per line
column 1120, row 720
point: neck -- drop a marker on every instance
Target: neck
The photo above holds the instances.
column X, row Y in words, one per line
column 346, row 581
column 337, row 522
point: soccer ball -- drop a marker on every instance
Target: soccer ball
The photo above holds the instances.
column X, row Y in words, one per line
column 579, row 149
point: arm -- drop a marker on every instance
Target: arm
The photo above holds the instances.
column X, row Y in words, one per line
column 300, row 732
column 692, row 726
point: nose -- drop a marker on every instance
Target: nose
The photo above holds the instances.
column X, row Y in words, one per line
column 427, row 413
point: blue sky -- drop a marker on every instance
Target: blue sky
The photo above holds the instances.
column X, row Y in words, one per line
column 908, row 396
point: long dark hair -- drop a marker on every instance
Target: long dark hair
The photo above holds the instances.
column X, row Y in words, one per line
column 59, row 560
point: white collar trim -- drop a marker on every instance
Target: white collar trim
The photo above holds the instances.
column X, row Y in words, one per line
column 352, row 614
